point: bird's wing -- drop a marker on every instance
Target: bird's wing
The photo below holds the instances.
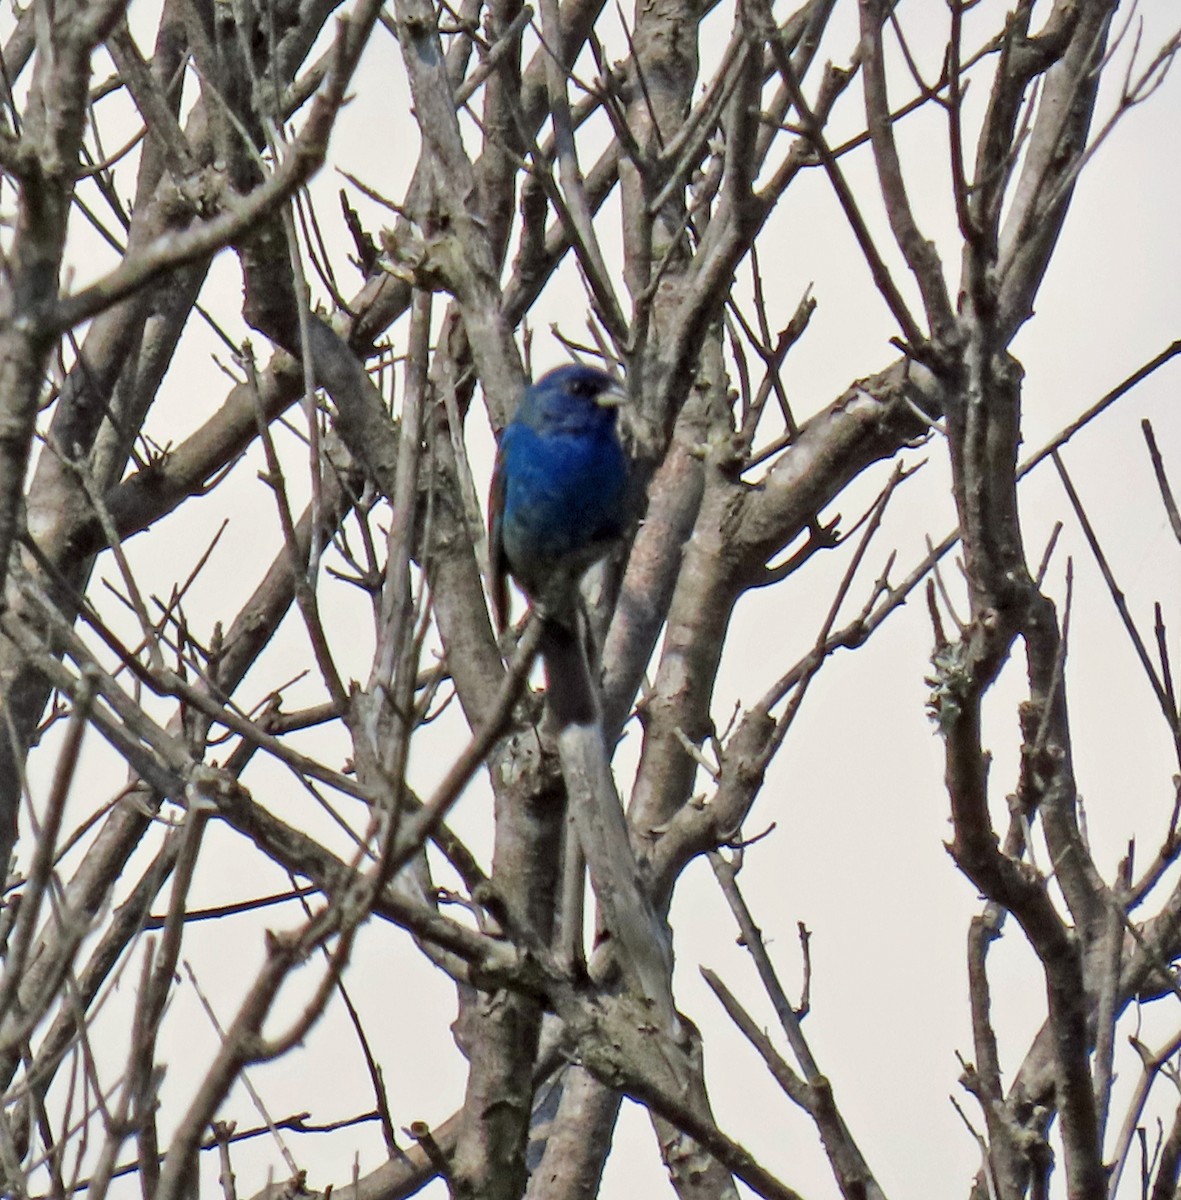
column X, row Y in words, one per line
column 498, row 584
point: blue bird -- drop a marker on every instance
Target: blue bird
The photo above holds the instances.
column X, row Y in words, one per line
column 559, row 490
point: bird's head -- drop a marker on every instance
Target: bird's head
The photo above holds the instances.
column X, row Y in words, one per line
column 570, row 398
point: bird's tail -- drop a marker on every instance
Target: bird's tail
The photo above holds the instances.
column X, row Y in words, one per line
column 569, row 690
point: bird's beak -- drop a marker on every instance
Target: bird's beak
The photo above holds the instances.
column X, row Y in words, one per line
column 612, row 397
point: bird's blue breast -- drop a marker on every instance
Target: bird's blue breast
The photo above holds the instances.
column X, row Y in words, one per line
column 564, row 495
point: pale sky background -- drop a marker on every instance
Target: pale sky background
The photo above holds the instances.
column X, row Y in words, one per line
column 857, row 791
